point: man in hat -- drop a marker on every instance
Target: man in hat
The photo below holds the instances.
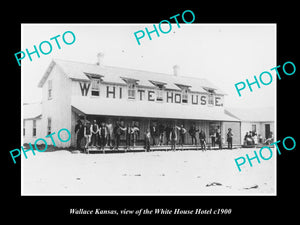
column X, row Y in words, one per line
column 79, row 131
column 229, row 138
column 154, row 133
column 94, row 130
column 202, row 138
column 182, row 132
column 119, row 130
column 192, row 131
column 102, row 135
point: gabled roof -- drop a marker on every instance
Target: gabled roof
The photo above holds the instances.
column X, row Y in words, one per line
column 112, row 74
column 32, row 110
column 254, row 114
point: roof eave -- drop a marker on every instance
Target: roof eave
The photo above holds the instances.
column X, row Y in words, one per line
column 46, row 74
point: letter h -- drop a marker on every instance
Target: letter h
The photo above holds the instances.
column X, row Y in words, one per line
column 170, row 96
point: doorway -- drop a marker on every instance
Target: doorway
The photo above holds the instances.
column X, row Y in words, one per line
column 267, row 131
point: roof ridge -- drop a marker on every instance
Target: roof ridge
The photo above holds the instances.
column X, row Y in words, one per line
column 137, row 70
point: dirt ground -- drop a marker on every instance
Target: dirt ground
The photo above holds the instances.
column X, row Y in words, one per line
column 212, row 172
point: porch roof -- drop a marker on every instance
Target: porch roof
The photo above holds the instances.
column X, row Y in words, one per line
column 116, row 107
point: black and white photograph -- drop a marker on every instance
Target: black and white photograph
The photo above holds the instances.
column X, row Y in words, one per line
column 149, row 111
column 131, row 110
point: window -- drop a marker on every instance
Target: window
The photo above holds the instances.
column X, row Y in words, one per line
column 49, row 89
column 184, row 92
column 131, row 90
column 49, row 126
column 185, row 95
column 160, row 93
column 23, row 127
column 95, row 86
column 34, row 128
column 160, row 90
column 253, row 127
column 211, row 92
column 131, row 86
column 211, row 99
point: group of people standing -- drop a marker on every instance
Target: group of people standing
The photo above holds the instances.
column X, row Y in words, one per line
column 106, row 134
column 170, row 135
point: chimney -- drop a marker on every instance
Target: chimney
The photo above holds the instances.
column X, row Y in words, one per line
column 100, row 57
column 176, row 70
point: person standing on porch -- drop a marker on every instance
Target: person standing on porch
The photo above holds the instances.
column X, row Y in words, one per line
column 122, row 128
column 136, row 131
column 168, row 130
column 202, row 139
column 117, row 134
column 192, row 132
column 87, row 135
column 255, row 139
column 229, row 138
column 79, row 131
column 219, row 137
column 129, row 134
column 118, row 131
column 154, row 133
column 161, row 130
column 95, row 130
column 147, row 140
column 182, row 132
column 110, row 129
column 213, row 138
column 173, row 138
column 103, row 135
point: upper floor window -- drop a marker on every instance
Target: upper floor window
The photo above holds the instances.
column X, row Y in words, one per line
column 184, row 95
column 210, row 99
column 184, row 92
column 131, row 86
column 160, row 95
column 95, row 87
column 95, row 83
column 160, row 90
column 131, row 90
column 49, row 89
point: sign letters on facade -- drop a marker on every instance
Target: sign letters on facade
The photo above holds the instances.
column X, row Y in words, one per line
column 152, row 95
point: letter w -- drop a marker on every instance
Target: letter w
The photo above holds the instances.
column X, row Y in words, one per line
column 157, row 211
column 84, row 88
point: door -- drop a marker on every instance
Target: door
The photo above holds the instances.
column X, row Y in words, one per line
column 267, row 130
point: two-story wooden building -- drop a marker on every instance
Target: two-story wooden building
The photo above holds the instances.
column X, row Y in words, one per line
column 104, row 92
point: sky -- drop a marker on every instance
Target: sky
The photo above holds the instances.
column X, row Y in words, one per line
column 224, row 54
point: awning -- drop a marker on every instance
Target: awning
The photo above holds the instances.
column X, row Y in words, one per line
column 148, row 109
